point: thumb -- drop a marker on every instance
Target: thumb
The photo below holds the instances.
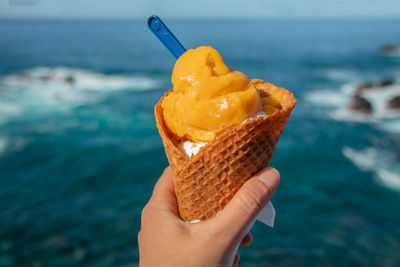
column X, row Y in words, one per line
column 252, row 197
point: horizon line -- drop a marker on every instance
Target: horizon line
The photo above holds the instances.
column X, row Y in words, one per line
column 211, row 18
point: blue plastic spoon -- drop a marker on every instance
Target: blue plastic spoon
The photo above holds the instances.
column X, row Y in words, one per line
column 166, row 36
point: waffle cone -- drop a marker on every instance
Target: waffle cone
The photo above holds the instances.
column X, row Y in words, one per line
column 206, row 182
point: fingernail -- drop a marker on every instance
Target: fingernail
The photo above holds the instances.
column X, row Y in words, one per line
column 270, row 177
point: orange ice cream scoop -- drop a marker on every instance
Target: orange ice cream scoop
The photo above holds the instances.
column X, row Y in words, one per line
column 207, row 96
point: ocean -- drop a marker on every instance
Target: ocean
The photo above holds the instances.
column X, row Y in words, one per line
column 80, row 152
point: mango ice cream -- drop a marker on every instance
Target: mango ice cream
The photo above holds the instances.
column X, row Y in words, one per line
column 208, row 96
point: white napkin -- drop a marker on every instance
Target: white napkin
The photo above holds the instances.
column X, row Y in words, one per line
column 267, row 215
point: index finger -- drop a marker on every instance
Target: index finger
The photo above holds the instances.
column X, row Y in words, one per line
column 164, row 192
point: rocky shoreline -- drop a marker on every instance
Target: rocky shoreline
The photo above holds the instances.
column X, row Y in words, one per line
column 360, row 103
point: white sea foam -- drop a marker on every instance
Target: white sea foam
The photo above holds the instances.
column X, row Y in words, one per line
column 8, row 110
column 392, row 126
column 381, row 163
column 363, row 159
column 346, row 114
column 389, row 178
column 47, row 90
column 3, row 145
column 78, row 79
column 379, row 99
column 341, row 75
column 328, row 98
column 338, row 103
column 8, row 144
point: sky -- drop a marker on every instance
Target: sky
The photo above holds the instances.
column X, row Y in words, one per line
column 246, row 9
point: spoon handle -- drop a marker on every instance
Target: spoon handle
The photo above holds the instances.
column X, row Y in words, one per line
column 166, row 36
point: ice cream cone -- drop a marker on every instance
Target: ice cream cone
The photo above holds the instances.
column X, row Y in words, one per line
column 206, row 182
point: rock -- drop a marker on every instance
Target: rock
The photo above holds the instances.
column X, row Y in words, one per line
column 362, row 86
column 70, row 79
column 370, row 85
column 46, row 78
column 361, row 104
column 384, row 83
column 389, row 48
column 394, row 103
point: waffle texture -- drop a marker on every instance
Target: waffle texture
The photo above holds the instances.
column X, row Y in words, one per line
column 206, row 182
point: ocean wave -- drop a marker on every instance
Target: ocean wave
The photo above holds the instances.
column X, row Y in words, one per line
column 71, row 78
column 9, row 144
column 328, row 98
column 8, row 110
column 380, row 97
column 338, row 104
column 392, row 126
column 44, row 90
column 341, row 75
column 381, row 163
column 3, row 145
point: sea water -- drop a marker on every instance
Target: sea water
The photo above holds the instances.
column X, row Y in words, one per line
column 80, row 152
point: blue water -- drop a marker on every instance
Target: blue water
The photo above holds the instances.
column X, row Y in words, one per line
column 80, row 152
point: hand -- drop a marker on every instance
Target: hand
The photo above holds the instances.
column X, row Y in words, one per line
column 167, row 240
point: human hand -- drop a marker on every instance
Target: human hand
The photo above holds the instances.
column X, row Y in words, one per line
column 166, row 240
